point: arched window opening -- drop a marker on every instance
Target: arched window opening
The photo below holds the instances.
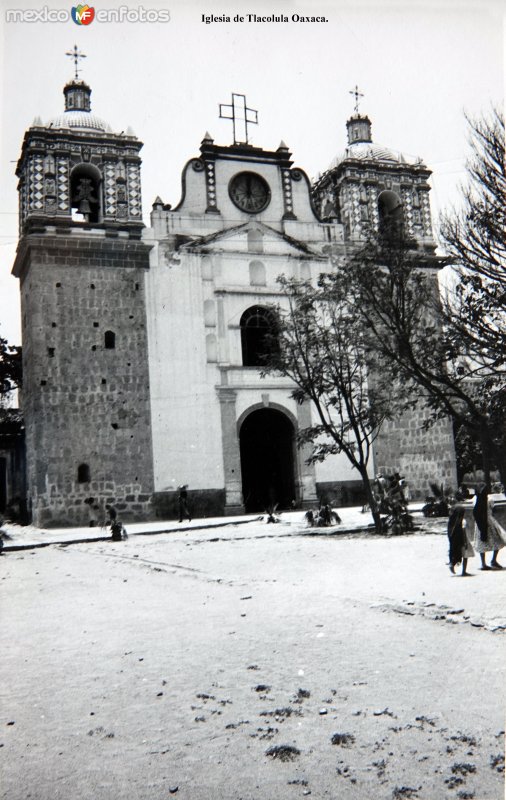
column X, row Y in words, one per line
column 258, row 336
column 83, row 473
column 256, row 273
column 85, row 187
column 109, row 340
column 391, row 218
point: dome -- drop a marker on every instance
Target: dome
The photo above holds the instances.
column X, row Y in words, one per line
column 80, row 120
column 368, row 151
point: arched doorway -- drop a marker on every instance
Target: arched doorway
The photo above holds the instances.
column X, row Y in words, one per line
column 267, row 439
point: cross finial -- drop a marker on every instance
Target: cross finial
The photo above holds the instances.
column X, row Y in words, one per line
column 357, row 94
column 240, row 115
column 76, row 55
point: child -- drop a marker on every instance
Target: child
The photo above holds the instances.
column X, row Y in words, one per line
column 460, row 547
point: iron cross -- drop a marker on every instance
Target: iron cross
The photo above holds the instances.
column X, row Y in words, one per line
column 240, row 115
column 357, row 94
column 76, row 55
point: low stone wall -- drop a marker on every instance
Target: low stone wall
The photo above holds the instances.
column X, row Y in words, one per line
column 70, row 510
column 201, row 503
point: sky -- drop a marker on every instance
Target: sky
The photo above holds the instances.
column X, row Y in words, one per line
column 419, row 63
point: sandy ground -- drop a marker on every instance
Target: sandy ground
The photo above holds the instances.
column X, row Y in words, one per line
column 251, row 662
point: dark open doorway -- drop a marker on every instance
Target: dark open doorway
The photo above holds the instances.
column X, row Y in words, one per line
column 267, row 460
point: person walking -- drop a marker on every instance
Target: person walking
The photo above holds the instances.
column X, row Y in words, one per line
column 460, row 548
column 183, row 503
column 489, row 534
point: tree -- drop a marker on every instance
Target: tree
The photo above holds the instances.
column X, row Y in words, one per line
column 475, row 239
column 320, row 346
column 475, row 309
column 476, row 235
column 10, row 369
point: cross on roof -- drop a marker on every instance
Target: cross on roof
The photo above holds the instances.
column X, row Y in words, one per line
column 76, row 55
column 240, row 115
column 357, row 94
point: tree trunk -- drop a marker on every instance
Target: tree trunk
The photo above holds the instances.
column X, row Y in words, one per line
column 494, row 455
column 485, row 455
column 371, row 500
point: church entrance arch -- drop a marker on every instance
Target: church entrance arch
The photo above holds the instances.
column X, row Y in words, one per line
column 267, row 446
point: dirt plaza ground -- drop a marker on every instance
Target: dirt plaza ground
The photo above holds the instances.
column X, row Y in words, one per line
column 251, row 662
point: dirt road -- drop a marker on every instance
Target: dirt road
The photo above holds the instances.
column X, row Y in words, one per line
column 253, row 663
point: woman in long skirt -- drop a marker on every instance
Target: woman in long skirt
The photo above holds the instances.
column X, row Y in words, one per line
column 460, row 548
column 489, row 534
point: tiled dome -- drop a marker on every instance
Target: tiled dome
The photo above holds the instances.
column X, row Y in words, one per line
column 82, row 120
column 368, row 151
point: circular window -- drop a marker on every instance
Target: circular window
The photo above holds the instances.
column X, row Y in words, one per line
column 250, row 192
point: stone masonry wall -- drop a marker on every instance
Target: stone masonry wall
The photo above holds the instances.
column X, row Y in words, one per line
column 86, row 404
column 421, row 456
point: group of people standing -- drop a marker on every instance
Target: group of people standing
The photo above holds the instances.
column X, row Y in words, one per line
column 477, row 533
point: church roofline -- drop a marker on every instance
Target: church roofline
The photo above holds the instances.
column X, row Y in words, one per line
column 35, row 138
column 246, row 152
column 339, row 168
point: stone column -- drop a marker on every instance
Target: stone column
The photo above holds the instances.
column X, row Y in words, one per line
column 231, row 453
column 307, row 482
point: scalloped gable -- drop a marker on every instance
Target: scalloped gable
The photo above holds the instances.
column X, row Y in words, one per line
column 235, row 239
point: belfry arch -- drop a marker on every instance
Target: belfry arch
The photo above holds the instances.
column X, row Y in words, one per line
column 268, row 459
column 390, row 212
column 85, row 192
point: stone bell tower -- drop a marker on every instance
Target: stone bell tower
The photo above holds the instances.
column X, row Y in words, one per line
column 370, row 187
column 375, row 191
column 82, row 266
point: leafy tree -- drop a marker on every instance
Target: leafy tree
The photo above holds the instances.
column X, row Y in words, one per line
column 10, row 369
column 449, row 350
column 320, row 346
column 475, row 239
column 475, row 306
column 410, row 335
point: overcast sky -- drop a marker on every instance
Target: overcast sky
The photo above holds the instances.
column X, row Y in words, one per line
column 419, row 65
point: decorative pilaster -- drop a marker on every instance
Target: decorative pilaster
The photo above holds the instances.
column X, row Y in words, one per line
column 231, row 452
column 307, row 481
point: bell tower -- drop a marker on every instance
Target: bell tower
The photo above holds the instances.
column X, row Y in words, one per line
column 82, row 265
column 380, row 194
column 373, row 189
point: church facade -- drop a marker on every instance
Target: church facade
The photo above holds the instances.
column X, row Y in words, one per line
column 142, row 345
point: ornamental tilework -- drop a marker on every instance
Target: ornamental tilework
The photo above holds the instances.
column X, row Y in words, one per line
column 134, row 190
column 355, row 207
column 63, row 185
column 373, row 207
column 427, row 226
column 210, row 185
column 110, row 189
column 407, row 209
column 37, row 184
column 287, row 191
column 22, row 205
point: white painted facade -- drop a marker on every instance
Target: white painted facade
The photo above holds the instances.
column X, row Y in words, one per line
column 209, row 264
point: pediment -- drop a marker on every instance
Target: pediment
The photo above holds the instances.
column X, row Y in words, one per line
column 251, row 237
